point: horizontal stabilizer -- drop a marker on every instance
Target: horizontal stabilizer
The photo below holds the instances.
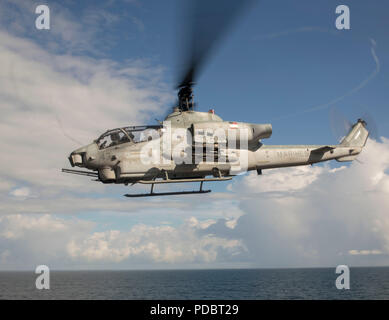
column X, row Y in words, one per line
column 346, row 158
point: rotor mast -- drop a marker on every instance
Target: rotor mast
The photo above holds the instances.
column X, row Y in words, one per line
column 185, row 98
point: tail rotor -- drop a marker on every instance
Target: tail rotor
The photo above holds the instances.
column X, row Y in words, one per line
column 340, row 125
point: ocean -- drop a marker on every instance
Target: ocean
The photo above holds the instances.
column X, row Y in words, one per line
column 317, row 283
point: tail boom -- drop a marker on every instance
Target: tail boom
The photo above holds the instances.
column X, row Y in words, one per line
column 268, row 157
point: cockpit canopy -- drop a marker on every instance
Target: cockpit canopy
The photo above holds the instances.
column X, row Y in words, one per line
column 135, row 134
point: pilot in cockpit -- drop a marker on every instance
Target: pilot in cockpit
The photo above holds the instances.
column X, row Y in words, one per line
column 115, row 138
column 132, row 137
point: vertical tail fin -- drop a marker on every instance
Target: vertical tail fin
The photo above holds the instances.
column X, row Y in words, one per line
column 357, row 136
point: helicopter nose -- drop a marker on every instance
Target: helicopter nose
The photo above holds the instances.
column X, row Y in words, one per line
column 77, row 157
column 82, row 156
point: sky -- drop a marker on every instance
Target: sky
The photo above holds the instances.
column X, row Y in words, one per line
column 105, row 64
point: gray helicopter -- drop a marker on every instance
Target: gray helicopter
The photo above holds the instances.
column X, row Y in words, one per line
column 193, row 146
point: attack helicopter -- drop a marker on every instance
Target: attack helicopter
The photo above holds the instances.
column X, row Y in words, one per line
column 193, row 146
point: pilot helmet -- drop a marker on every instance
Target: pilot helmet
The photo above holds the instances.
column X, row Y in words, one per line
column 115, row 136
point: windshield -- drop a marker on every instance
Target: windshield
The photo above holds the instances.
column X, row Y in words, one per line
column 128, row 134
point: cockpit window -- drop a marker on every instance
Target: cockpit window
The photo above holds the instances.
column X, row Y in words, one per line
column 144, row 135
column 128, row 134
column 113, row 138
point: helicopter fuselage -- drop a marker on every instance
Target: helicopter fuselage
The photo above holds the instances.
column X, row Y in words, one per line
column 185, row 147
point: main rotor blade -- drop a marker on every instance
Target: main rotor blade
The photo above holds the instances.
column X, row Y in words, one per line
column 205, row 24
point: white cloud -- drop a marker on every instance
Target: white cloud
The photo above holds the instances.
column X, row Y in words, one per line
column 164, row 244
column 364, row 252
column 30, row 240
column 58, row 241
column 276, row 180
column 88, row 96
column 16, row 226
column 23, row 192
column 319, row 220
column 73, row 28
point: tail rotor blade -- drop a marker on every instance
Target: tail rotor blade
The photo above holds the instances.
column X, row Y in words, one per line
column 340, row 125
column 371, row 126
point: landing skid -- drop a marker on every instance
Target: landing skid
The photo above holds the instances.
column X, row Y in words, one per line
column 165, row 193
column 152, row 193
column 155, row 181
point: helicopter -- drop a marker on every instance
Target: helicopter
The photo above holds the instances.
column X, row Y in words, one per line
column 194, row 146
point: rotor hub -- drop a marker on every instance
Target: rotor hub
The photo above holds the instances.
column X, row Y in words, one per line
column 185, row 98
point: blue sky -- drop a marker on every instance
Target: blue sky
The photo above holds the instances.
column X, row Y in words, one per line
column 105, row 64
column 281, row 59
